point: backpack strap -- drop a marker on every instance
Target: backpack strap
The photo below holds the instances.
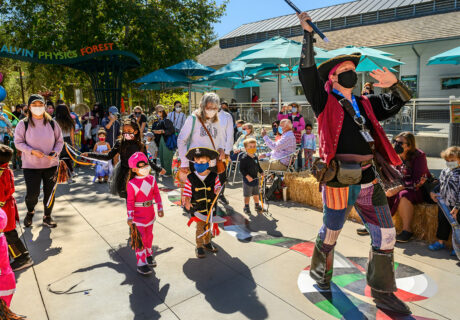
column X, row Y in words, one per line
column 26, row 126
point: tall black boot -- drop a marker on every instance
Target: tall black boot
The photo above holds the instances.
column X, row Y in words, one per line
column 381, row 279
column 321, row 268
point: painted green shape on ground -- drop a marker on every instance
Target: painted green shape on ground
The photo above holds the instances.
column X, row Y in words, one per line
column 272, row 241
column 345, row 279
column 396, row 265
column 328, row 307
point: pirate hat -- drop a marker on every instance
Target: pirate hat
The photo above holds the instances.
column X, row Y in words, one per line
column 200, row 151
column 325, row 68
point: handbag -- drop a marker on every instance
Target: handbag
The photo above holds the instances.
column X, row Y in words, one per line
column 220, row 165
column 428, row 187
column 322, row 172
column 349, row 173
column 171, row 142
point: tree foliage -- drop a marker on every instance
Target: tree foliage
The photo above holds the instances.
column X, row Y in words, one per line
column 160, row 32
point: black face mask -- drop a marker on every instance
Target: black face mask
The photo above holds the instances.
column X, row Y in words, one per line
column 398, row 148
column 348, row 79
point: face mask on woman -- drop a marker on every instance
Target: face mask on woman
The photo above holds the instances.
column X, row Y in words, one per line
column 280, row 130
column 245, row 132
column 144, row 171
column 452, row 164
column 211, row 113
column 178, row 109
column 399, row 148
column 275, row 130
column 294, row 110
column 50, row 111
column 37, row 111
column 201, row 167
column 240, row 129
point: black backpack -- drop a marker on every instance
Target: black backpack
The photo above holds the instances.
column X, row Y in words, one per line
column 276, row 187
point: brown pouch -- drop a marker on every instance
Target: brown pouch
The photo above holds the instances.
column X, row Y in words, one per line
column 322, row 172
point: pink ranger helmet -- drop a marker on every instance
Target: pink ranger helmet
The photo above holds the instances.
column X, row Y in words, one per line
column 136, row 158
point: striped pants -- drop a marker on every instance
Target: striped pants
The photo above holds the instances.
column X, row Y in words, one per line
column 371, row 204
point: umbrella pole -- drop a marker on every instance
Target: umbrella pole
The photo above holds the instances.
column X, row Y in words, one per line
column 279, row 92
column 190, row 98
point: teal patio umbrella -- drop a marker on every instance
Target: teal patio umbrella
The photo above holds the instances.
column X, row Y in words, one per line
column 237, row 69
column 161, row 76
column 190, row 69
column 451, row 56
column 279, row 52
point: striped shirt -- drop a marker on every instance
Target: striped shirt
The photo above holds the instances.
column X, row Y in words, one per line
column 281, row 148
column 188, row 186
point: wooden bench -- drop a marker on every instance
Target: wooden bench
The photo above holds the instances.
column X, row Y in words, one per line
column 303, row 188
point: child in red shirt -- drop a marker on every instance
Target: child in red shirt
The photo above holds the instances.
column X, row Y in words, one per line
column 7, row 202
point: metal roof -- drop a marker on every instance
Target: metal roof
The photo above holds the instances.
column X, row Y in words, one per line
column 327, row 13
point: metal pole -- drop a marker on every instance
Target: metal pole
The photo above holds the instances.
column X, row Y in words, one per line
column 279, row 92
column 22, row 86
column 414, row 114
column 190, row 98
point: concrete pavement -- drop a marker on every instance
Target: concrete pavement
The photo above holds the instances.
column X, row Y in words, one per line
column 84, row 269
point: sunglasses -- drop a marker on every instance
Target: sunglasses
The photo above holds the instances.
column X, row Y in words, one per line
column 398, row 142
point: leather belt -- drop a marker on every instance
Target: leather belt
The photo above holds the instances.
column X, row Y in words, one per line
column 367, row 162
column 144, row 204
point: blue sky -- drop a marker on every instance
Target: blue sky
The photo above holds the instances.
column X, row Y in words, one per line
column 243, row 11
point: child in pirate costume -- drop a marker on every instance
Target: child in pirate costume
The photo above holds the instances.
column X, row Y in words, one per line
column 18, row 251
column 349, row 136
column 142, row 190
column 129, row 143
column 201, row 187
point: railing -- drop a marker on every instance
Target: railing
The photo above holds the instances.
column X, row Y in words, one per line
column 429, row 115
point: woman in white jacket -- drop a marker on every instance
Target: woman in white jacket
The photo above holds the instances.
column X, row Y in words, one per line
column 193, row 134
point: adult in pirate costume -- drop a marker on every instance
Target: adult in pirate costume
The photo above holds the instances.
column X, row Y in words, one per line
column 200, row 191
column 349, row 136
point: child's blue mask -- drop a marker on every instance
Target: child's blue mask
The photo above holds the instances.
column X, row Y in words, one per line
column 201, row 167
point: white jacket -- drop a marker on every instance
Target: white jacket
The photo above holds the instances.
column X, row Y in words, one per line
column 199, row 137
column 226, row 123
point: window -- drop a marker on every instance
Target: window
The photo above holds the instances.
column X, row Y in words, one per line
column 450, row 83
column 411, row 82
column 299, row 91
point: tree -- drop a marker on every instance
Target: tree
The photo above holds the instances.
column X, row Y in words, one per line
column 160, row 32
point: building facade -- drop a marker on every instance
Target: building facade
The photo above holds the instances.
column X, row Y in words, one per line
column 412, row 30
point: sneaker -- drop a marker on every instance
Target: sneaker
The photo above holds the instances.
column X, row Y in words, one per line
column 22, row 262
column 258, row 208
column 247, row 210
column 210, row 247
column 362, row 231
column 151, row 261
column 200, row 253
column 404, row 236
column 145, row 269
column 28, row 219
column 49, row 222
column 223, row 199
column 436, row 246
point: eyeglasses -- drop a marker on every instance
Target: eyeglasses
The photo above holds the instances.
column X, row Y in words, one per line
column 399, row 142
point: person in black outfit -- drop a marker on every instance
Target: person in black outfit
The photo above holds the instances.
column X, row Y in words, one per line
column 128, row 144
column 347, row 127
column 164, row 131
column 250, row 168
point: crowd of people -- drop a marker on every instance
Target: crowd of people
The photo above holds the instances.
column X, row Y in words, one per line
column 129, row 152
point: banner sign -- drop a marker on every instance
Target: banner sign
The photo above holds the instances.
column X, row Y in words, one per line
column 47, row 57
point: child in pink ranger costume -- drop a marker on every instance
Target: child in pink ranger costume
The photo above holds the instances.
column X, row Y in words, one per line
column 143, row 193
column 7, row 279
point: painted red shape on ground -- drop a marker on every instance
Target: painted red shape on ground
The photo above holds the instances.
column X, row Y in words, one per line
column 305, row 248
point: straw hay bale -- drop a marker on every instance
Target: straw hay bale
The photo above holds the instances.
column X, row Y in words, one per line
column 303, row 188
column 424, row 223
